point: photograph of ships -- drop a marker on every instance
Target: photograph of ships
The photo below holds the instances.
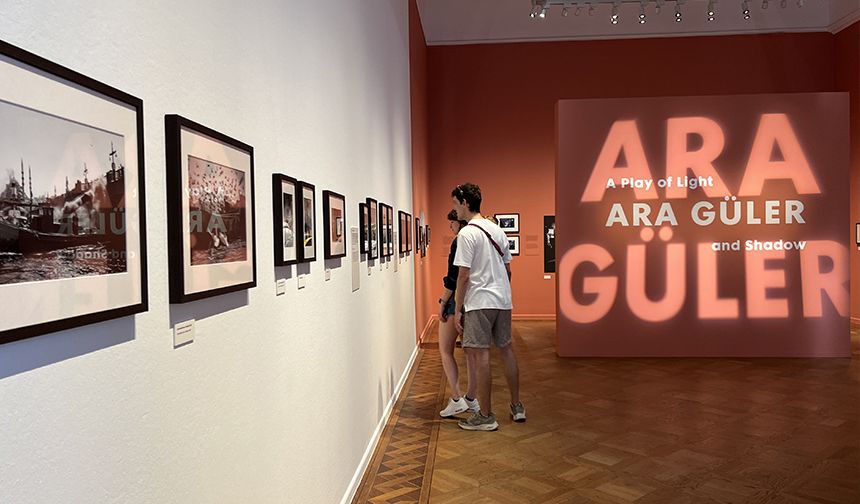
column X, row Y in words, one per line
column 62, row 208
column 216, row 207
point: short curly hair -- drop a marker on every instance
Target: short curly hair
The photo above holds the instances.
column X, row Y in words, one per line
column 470, row 194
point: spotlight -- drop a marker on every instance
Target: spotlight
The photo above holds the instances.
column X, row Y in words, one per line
column 614, row 17
column 542, row 14
column 745, row 8
column 800, row 3
column 659, row 6
column 590, row 8
column 783, row 4
column 642, row 11
column 564, row 11
column 711, row 11
column 764, row 4
column 678, row 16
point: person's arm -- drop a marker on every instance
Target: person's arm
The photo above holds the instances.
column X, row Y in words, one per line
column 508, row 269
column 462, row 282
column 442, row 301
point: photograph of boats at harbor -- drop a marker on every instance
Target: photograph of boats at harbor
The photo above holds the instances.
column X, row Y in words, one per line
column 72, row 204
column 216, row 202
column 62, row 194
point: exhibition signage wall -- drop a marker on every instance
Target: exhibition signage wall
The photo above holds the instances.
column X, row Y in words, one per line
column 703, row 226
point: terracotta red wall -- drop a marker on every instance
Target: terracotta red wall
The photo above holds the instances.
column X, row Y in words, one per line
column 848, row 79
column 491, row 116
column 418, row 82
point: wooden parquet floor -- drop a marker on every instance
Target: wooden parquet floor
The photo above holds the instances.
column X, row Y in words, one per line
column 667, row 431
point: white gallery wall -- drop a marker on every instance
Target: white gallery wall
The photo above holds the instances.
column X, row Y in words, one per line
column 278, row 397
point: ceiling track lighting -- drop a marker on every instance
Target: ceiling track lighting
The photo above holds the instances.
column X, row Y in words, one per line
column 540, row 8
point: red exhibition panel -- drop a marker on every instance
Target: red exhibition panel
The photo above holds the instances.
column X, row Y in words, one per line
column 703, row 226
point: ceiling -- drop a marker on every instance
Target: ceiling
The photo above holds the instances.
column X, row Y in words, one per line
column 491, row 21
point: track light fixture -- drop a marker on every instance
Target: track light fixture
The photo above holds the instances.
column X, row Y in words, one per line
column 540, row 8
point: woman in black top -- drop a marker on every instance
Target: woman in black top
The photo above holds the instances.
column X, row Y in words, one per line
column 448, row 335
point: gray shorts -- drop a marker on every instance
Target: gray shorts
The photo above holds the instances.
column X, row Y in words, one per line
column 482, row 327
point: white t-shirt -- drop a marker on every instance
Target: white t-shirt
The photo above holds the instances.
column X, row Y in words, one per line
column 488, row 286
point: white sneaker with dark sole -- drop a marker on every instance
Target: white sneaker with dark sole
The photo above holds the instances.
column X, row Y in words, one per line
column 454, row 407
column 478, row 422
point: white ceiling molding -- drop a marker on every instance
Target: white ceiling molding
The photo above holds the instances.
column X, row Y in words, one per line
column 456, row 22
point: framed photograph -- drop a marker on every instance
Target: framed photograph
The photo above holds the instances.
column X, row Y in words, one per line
column 509, row 222
column 383, row 230
column 363, row 224
column 334, row 225
column 427, row 233
column 408, row 233
column 423, row 240
column 857, row 233
column 284, row 205
column 514, row 245
column 549, row 243
column 210, row 211
column 401, row 231
column 419, row 243
column 372, row 228
column 307, row 222
column 72, row 216
column 390, row 211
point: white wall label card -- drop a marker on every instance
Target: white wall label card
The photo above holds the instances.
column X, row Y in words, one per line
column 356, row 259
column 183, row 333
column 280, row 287
column 327, row 274
column 301, row 281
column 547, row 277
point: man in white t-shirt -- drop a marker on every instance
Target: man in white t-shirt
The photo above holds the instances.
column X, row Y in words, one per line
column 483, row 299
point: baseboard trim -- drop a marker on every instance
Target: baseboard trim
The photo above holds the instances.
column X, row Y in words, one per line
column 352, row 489
column 428, row 328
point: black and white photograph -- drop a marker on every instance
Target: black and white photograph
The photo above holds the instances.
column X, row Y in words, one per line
column 372, row 228
column 306, row 223
column 72, row 213
column 510, row 222
column 284, row 206
column 210, row 211
column 549, row 243
column 514, row 245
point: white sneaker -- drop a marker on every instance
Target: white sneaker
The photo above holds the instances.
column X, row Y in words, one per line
column 454, row 407
column 473, row 405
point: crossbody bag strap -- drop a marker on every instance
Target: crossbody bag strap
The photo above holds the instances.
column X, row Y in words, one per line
column 495, row 245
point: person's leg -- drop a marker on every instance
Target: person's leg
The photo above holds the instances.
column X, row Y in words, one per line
column 447, row 336
column 512, row 372
column 472, row 373
column 481, row 360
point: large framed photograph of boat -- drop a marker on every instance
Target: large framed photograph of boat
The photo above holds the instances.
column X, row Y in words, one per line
column 334, row 224
column 284, row 205
column 210, row 212
column 72, row 219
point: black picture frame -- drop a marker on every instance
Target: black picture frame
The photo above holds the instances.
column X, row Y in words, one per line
column 58, row 95
column 334, row 224
column 402, row 235
column 390, row 211
column 372, row 228
column 423, row 239
column 408, row 233
column 514, row 245
column 196, row 169
column 384, row 228
column 509, row 222
column 418, row 241
column 285, row 253
column 308, row 248
column 362, row 228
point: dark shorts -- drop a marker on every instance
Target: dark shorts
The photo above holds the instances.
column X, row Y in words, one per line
column 449, row 307
column 481, row 328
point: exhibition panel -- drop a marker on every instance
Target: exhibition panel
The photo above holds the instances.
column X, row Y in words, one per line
column 704, row 226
